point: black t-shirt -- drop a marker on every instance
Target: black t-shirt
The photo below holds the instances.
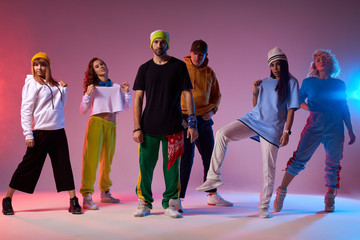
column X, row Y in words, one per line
column 163, row 85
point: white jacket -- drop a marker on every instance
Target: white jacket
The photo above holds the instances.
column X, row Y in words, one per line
column 42, row 107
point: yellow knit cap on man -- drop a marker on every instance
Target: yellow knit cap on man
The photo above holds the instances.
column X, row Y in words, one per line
column 159, row 34
column 40, row 55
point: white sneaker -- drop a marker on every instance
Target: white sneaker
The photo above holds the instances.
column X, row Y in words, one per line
column 171, row 210
column 279, row 199
column 217, row 200
column 88, row 202
column 142, row 209
column 107, row 198
column 264, row 213
column 179, row 207
column 330, row 202
column 209, row 184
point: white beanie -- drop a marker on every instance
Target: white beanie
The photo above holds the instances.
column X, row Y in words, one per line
column 276, row 54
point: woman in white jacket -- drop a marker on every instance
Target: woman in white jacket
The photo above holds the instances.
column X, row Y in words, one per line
column 105, row 99
column 42, row 119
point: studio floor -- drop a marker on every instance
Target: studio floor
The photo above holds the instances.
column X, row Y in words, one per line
column 45, row 216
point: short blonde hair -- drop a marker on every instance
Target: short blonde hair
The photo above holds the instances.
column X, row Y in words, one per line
column 334, row 68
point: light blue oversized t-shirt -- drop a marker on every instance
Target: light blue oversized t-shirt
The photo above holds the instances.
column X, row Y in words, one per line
column 268, row 117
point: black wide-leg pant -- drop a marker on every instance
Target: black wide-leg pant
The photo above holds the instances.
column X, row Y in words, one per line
column 54, row 143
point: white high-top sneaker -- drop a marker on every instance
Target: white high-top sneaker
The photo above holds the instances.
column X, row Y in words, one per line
column 330, row 202
column 217, row 200
column 142, row 209
column 88, row 202
column 107, row 198
column 171, row 210
column 179, row 207
column 279, row 199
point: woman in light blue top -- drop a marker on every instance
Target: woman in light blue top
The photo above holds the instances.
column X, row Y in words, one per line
column 275, row 99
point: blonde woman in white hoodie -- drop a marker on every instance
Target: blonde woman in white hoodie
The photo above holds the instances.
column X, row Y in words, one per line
column 42, row 119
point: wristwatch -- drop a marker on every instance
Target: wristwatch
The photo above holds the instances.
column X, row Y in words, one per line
column 287, row 131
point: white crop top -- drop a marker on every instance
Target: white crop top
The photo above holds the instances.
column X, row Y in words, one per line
column 106, row 100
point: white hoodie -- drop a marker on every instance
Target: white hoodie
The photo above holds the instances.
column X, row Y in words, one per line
column 42, row 107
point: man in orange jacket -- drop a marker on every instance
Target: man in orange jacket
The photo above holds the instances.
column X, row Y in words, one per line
column 206, row 93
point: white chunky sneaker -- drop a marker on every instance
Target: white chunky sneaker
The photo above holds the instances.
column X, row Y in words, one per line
column 217, row 200
column 264, row 213
column 209, row 184
column 88, row 202
column 142, row 209
column 330, row 202
column 171, row 210
column 107, row 198
column 279, row 199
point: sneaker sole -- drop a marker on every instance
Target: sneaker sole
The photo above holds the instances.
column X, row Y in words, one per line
column 220, row 205
column 8, row 213
column 110, row 201
column 142, row 215
column 74, row 212
column 97, row 208
column 173, row 216
column 278, row 208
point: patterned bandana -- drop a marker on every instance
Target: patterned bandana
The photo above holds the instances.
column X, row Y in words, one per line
column 175, row 147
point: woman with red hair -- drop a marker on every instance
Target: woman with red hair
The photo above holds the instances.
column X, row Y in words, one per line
column 105, row 99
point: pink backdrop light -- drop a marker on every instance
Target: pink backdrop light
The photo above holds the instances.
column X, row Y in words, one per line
column 239, row 35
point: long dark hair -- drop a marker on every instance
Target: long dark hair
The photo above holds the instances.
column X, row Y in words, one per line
column 282, row 88
column 90, row 75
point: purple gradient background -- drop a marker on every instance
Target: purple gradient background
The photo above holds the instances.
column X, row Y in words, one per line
column 239, row 35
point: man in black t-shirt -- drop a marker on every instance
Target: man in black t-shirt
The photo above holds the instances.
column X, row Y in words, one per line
column 162, row 80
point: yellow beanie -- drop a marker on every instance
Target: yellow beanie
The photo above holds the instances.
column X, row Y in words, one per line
column 40, row 55
column 159, row 34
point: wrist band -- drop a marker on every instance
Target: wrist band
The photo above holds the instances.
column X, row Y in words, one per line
column 192, row 122
column 138, row 129
column 255, row 94
column 287, row 131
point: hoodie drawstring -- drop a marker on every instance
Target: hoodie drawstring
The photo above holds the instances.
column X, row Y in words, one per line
column 52, row 96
